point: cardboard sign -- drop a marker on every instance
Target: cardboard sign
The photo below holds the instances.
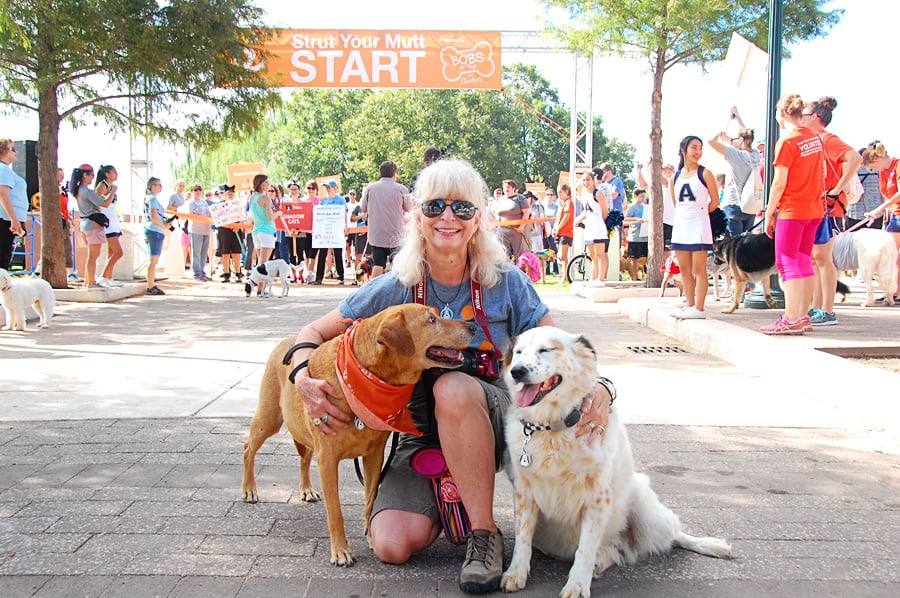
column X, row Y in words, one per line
column 328, row 226
column 297, row 215
column 227, row 212
column 358, row 58
column 241, row 174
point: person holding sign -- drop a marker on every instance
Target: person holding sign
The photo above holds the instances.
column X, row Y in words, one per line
column 229, row 242
column 264, row 215
column 332, row 199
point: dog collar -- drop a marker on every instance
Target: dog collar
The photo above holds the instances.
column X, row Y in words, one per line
column 529, row 428
column 386, row 406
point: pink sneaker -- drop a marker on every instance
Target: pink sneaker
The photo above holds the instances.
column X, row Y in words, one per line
column 807, row 323
column 784, row 327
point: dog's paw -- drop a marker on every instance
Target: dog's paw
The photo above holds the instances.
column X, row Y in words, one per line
column 574, row 589
column 309, row 495
column 342, row 557
column 729, row 310
column 251, row 496
column 512, row 582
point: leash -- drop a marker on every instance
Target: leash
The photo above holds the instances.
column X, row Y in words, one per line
column 865, row 221
column 395, row 438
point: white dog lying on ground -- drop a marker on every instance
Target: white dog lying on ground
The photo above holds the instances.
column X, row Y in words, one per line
column 872, row 251
column 264, row 276
column 17, row 294
column 574, row 501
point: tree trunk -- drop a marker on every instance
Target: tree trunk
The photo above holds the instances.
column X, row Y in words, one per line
column 656, row 257
column 53, row 260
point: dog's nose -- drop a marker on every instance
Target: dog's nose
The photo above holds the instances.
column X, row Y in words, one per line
column 518, row 372
column 473, row 327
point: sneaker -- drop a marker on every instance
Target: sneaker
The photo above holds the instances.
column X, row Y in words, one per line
column 237, row 277
column 823, row 318
column 807, row 323
column 318, row 281
column 103, row 282
column 200, row 278
column 73, row 277
column 678, row 313
column 155, row 291
column 692, row 313
column 784, row 327
column 226, row 277
column 341, row 282
column 483, row 567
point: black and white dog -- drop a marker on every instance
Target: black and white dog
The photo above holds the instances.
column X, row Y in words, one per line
column 264, row 276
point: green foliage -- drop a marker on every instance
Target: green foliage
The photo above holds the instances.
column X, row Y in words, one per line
column 519, row 134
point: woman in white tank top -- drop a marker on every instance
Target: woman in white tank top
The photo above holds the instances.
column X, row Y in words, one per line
column 695, row 194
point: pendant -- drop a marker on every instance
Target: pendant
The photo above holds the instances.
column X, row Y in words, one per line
column 447, row 313
column 525, row 459
column 359, row 424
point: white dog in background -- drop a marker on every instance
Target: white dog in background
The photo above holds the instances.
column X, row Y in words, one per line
column 875, row 253
column 265, row 274
column 17, row 294
column 577, row 502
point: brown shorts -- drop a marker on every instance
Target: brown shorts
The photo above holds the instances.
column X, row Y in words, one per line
column 404, row 489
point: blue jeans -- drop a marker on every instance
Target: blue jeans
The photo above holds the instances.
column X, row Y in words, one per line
column 199, row 250
column 738, row 222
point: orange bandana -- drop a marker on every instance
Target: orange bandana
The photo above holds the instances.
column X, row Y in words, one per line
column 387, row 404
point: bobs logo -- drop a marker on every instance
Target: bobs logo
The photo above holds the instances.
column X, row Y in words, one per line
column 475, row 60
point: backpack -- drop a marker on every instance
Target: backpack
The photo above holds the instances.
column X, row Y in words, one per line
column 752, row 193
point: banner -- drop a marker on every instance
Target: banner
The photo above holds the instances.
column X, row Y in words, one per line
column 227, row 212
column 356, row 58
column 241, row 174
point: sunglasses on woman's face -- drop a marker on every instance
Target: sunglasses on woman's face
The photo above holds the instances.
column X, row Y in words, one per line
column 464, row 210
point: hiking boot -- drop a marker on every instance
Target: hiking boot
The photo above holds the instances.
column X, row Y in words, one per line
column 483, row 567
column 784, row 327
column 823, row 318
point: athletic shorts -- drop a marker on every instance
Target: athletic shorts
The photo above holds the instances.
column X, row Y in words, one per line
column 597, row 242
column 263, row 240
column 564, row 240
column 893, row 224
column 637, row 249
column 111, row 235
column 95, row 236
column 404, row 489
column 380, row 255
column 154, row 241
column 228, row 242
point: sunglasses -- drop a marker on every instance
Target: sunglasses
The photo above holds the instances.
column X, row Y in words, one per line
column 311, row 188
column 464, row 210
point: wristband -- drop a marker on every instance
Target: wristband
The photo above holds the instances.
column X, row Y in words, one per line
column 286, row 360
column 610, row 388
column 297, row 369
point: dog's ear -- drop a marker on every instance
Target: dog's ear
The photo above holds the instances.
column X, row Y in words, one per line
column 585, row 343
column 262, row 269
column 393, row 333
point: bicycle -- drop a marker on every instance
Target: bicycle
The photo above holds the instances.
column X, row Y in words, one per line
column 579, row 267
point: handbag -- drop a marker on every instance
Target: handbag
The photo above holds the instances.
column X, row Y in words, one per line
column 430, row 463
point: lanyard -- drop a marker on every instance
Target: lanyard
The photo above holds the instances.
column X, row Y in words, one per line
column 477, row 296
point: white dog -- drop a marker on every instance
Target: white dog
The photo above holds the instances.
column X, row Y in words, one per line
column 17, row 295
column 265, row 274
column 575, row 501
column 875, row 253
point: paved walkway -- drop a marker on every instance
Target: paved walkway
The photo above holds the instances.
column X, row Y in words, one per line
column 122, row 428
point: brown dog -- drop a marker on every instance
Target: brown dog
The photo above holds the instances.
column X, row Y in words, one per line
column 396, row 345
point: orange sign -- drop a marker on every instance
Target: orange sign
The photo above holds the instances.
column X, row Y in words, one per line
column 297, row 215
column 376, row 58
column 241, row 174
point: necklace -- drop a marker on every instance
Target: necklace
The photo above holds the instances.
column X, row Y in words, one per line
column 446, row 312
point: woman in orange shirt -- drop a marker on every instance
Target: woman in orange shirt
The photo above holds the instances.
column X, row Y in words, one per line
column 797, row 194
column 565, row 228
column 841, row 164
column 876, row 157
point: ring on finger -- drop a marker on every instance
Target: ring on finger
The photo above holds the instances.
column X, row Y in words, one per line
column 592, row 425
column 324, row 419
column 316, row 421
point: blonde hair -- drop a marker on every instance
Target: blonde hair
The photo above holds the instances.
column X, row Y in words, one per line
column 6, row 144
column 451, row 179
column 792, row 104
column 873, row 153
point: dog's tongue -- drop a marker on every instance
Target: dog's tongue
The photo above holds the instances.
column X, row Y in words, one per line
column 525, row 396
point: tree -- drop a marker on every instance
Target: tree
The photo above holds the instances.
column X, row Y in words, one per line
column 171, row 69
column 671, row 32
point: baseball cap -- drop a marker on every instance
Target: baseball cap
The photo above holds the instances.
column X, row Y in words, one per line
column 224, row 188
column 331, row 184
column 86, row 168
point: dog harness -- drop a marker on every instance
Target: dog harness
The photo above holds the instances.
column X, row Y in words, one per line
column 386, row 406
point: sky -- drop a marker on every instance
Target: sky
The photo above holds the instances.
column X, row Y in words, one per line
column 854, row 63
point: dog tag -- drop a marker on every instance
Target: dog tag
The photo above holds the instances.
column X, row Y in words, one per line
column 359, row 424
column 525, row 459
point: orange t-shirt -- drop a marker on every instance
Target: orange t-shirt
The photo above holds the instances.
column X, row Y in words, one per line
column 887, row 180
column 800, row 151
column 835, row 149
column 567, row 219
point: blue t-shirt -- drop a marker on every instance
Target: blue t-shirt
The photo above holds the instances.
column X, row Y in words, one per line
column 18, row 193
column 512, row 305
column 619, row 187
column 150, row 203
